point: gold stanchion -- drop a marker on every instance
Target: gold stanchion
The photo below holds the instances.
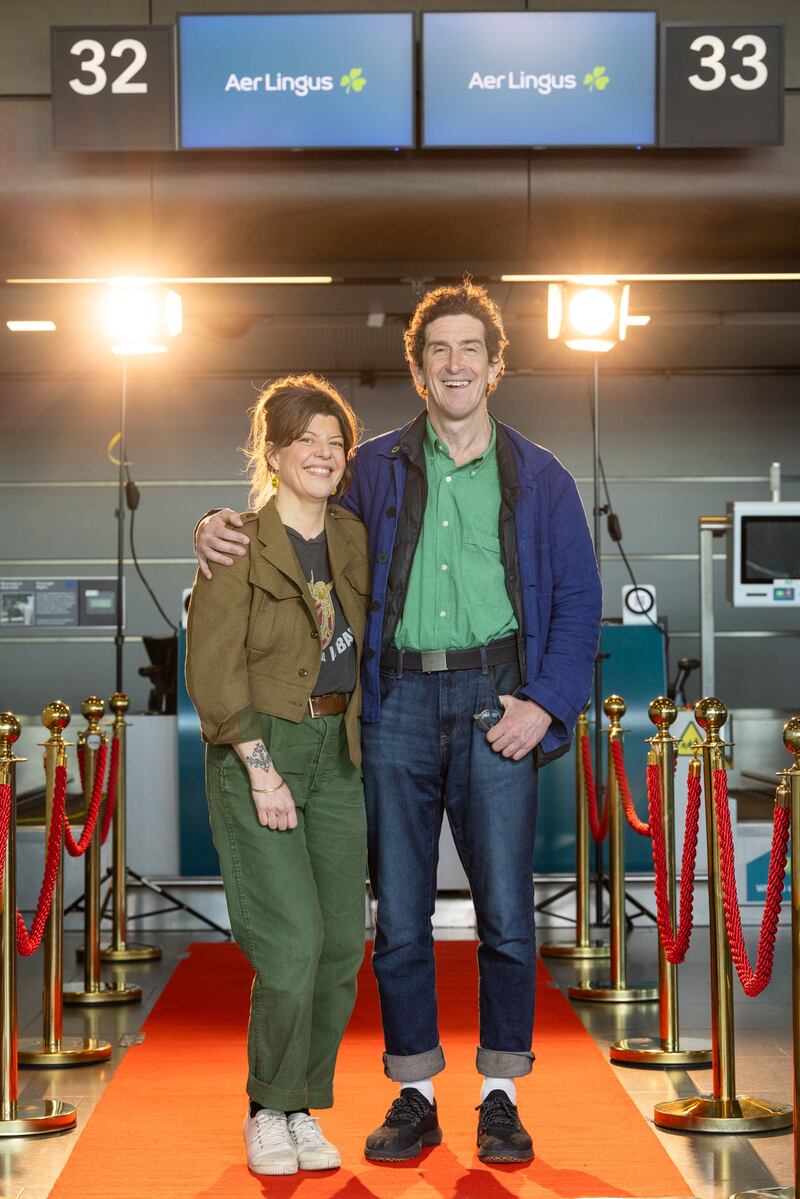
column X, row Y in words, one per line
column 615, row 989
column 584, row 947
column 791, row 739
column 48, row 1115
column 121, row 949
column 53, row 1048
column 667, row 1049
column 723, row 1110
column 94, row 991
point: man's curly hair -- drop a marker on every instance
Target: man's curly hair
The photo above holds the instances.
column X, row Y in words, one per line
column 462, row 299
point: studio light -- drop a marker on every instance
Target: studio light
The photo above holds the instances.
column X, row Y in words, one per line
column 141, row 316
column 588, row 314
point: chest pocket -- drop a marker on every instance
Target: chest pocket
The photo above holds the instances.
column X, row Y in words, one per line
column 270, row 607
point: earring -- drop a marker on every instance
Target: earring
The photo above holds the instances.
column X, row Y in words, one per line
column 274, row 480
column 336, row 488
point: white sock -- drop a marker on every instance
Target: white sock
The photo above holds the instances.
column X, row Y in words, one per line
column 423, row 1085
column 499, row 1084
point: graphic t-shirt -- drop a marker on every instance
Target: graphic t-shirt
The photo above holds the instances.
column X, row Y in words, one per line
column 338, row 666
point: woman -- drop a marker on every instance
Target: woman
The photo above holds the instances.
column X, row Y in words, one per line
column 273, row 655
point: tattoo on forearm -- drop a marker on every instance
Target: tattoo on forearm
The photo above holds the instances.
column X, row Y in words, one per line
column 258, row 757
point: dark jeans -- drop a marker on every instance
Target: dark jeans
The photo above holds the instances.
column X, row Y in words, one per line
column 426, row 757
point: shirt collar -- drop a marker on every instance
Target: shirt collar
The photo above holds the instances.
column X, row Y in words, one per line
column 434, row 445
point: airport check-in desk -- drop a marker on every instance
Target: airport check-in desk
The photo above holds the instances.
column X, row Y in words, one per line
column 634, row 668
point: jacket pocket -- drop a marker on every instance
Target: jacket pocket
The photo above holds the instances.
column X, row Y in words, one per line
column 265, row 607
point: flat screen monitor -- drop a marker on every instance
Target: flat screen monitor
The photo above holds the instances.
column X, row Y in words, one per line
column 764, row 555
column 539, row 79
column 310, row 80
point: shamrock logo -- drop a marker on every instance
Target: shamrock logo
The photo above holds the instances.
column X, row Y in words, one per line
column 353, row 80
column 597, row 79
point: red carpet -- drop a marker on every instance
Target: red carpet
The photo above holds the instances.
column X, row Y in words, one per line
column 169, row 1123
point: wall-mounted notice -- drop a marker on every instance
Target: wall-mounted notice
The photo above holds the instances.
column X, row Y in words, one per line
column 313, row 81
column 539, row 79
column 58, row 603
column 721, row 85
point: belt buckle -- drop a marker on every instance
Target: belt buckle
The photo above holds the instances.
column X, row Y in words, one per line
column 432, row 660
column 311, row 706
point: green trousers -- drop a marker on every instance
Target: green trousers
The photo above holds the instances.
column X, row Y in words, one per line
column 296, row 904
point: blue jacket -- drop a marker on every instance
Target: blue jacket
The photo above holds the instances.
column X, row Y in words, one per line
column 559, row 581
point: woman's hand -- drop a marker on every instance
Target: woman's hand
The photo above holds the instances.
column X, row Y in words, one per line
column 275, row 809
column 216, row 539
column 271, row 795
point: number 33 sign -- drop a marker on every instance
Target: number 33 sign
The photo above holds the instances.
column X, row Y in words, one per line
column 721, row 85
column 113, row 88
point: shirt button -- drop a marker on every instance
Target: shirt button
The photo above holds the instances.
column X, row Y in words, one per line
column 445, row 523
column 315, row 635
column 369, row 654
column 442, row 613
column 444, row 566
column 375, row 605
column 448, row 478
column 391, row 512
column 382, row 557
column 302, row 672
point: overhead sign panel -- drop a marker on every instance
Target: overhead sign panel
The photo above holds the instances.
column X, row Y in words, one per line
column 721, row 85
column 113, row 87
column 311, row 81
column 539, row 79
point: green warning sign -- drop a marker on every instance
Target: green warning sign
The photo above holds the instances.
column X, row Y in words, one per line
column 691, row 738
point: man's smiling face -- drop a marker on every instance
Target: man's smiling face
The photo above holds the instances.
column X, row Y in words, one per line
column 456, row 372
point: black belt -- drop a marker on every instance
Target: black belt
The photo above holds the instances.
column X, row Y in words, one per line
column 431, row 660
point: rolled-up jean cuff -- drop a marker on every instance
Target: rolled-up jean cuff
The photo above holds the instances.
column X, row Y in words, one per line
column 495, row 1063
column 412, row 1067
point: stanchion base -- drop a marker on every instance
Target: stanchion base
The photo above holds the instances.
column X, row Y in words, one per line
column 71, row 1051
column 606, row 992
column 595, row 949
column 650, row 1051
column 705, row 1113
column 766, row 1193
column 36, row 1119
column 105, row 993
column 131, row 951
column 127, row 952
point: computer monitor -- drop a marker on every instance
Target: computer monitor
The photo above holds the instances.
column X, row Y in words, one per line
column 764, row 554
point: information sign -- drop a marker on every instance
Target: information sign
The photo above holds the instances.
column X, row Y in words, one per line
column 721, row 85
column 113, row 87
column 312, row 80
column 58, row 603
column 539, row 79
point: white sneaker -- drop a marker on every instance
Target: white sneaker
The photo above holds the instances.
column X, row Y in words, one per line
column 270, row 1145
column 314, row 1151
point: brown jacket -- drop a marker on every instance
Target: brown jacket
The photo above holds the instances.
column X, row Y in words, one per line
column 253, row 638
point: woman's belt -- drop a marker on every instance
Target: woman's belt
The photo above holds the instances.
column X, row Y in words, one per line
column 431, row 660
column 332, row 703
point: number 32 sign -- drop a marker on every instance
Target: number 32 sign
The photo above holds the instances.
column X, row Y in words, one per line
column 113, row 88
column 721, row 85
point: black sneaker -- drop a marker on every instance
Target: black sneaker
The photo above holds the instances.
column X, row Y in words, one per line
column 411, row 1125
column 501, row 1137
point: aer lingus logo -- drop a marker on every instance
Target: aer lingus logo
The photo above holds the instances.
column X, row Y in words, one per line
column 597, row 79
column 354, row 80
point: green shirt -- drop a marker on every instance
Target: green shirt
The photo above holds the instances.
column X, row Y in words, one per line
column 456, row 596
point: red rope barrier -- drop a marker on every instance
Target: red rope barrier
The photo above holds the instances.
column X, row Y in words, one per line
column 753, row 981
column 675, row 943
column 636, row 824
column 598, row 824
column 77, row 848
column 111, row 793
column 28, row 942
column 5, row 821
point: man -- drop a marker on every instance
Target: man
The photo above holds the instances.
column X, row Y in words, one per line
column 478, row 657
